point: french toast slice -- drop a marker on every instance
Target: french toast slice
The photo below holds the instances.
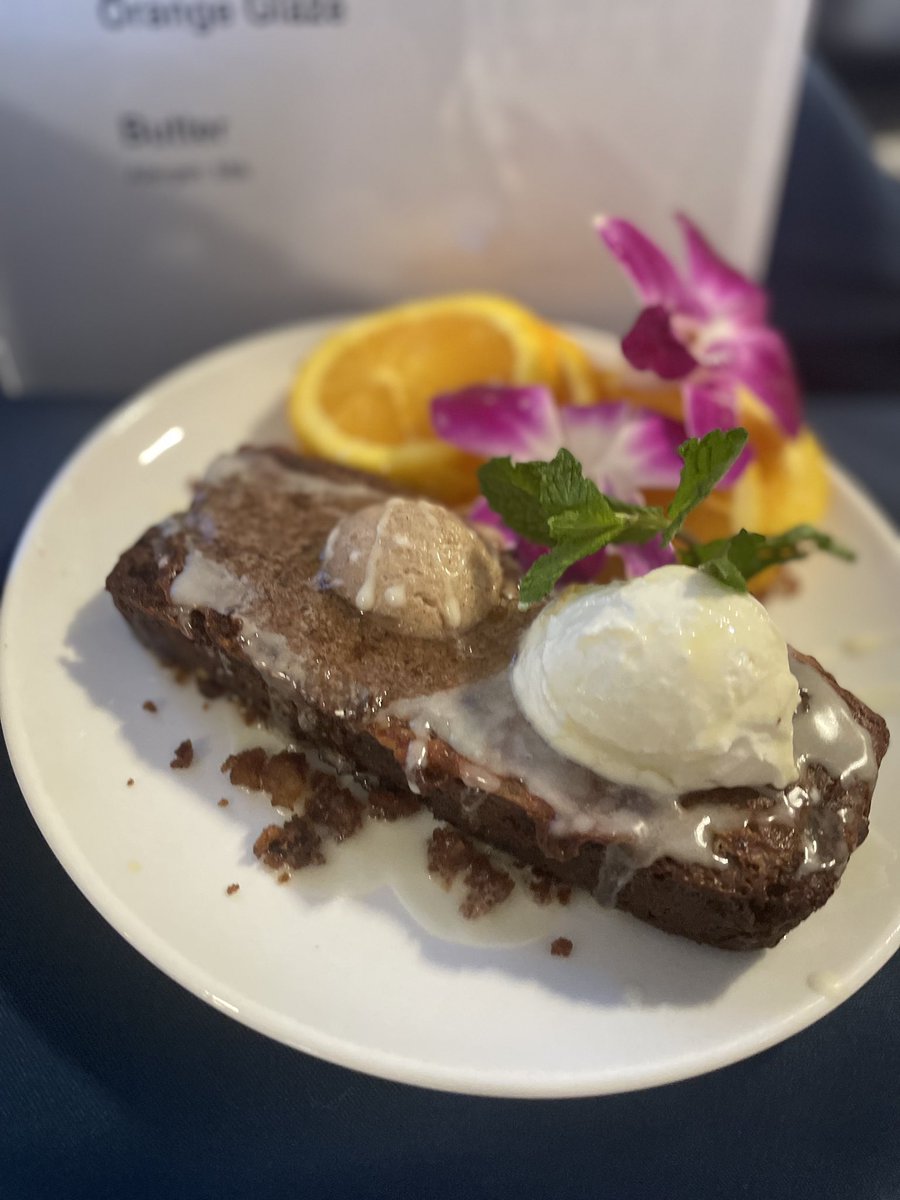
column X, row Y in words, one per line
column 229, row 591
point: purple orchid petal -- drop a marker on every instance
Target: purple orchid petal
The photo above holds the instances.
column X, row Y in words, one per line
column 721, row 288
column 710, row 403
column 481, row 513
column 638, row 560
column 586, row 570
column 650, row 345
column 624, row 449
column 522, row 422
column 760, row 360
column 650, row 270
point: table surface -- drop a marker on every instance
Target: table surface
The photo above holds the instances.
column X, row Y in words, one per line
column 116, row 1082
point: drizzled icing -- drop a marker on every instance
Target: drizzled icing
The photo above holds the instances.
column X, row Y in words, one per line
column 826, row 733
column 483, row 724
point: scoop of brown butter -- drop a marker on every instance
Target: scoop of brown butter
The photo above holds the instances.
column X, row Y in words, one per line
column 416, row 563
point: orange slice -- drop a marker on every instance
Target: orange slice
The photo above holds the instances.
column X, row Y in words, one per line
column 363, row 396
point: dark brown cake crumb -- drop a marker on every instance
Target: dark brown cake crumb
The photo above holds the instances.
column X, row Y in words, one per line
column 393, row 806
column 333, row 806
column 223, row 803
column 232, row 888
column 297, row 844
column 451, row 853
column 129, row 783
column 149, row 706
column 284, row 877
column 545, row 889
column 283, row 776
column 209, row 687
column 184, row 755
column 486, row 887
column 245, row 768
column 561, row 947
column 541, row 887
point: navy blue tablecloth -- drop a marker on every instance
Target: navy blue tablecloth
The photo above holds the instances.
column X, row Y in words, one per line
column 114, row 1082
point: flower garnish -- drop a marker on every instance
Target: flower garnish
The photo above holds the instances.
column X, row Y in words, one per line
column 623, row 451
column 706, row 329
column 554, row 504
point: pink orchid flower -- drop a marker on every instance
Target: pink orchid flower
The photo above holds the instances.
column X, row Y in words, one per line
column 704, row 327
column 623, row 449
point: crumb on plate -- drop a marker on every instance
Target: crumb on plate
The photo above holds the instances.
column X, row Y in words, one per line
column 333, row 807
column 245, row 768
column 184, row 755
column 451, row 853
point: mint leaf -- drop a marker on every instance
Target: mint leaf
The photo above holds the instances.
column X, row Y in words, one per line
column 723, row 569
column 575, row 522
column 643, row 525
column 706, row 461
column 563, row 486
column 736, row 559
column 513, row 491
column 547, row 570
column 741, row 549
column 799, row 542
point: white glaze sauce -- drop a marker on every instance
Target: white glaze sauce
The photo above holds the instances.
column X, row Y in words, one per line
column 483, row 724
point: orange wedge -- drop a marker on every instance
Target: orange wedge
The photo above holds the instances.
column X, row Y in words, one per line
column 363, row 396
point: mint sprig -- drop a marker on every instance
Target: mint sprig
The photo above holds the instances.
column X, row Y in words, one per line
column 553, row 505
column 706, row 460
column 746, row 554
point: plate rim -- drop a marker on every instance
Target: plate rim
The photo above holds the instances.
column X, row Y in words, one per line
column 201, row 983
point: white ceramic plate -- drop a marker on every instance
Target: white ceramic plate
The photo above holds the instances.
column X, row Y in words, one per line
column 350, row 977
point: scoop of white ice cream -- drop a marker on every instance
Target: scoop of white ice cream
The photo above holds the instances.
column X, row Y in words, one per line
column 671, row 682
column 415, row 562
